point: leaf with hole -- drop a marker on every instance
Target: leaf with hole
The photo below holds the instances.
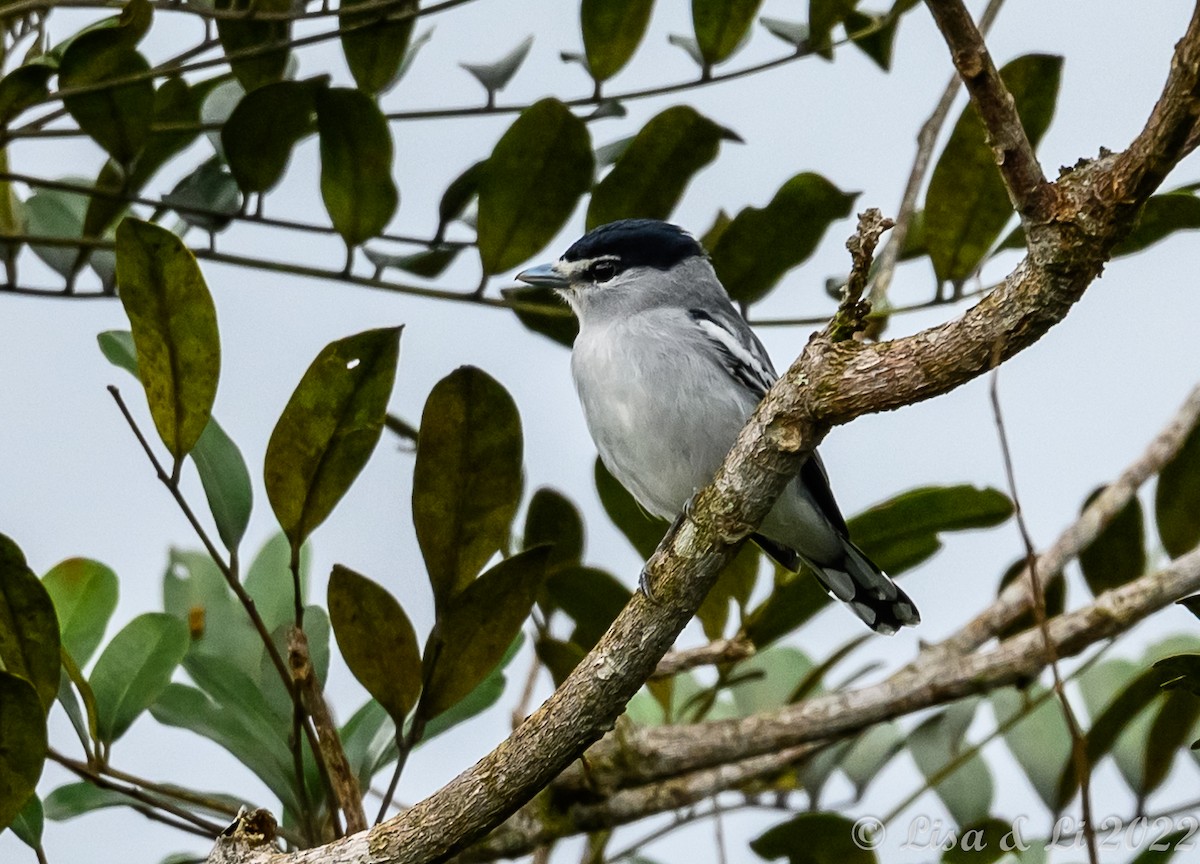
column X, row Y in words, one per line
column 966, row 205
column 174, row 327
column 356, row 164
column 84, row 593
column 29, row 637
column 761, row 244
column 531, row 183
column 133, row 670
column 476, row 628
column 612, row 31
column 329, row 428
column 467, row 478
column 652, row 173
column 377, row 640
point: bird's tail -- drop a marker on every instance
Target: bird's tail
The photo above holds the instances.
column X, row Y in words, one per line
column 868, row 591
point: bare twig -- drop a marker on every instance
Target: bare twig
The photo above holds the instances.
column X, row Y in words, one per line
column 719, row 651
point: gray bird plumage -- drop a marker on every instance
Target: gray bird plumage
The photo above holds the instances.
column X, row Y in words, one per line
column 668, row 372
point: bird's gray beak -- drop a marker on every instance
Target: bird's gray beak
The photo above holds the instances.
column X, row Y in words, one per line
column 543, row 274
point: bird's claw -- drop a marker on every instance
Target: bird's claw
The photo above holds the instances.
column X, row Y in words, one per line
column 644, row 576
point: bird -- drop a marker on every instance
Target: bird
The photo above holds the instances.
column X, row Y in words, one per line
column 668, row 372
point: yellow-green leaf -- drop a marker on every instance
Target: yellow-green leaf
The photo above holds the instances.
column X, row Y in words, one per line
column 375, row 51
column 29, row 639
column 85, row 595
column 612, row 31
column 721, row 25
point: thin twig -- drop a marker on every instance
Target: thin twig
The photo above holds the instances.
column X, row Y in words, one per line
column 719, row 651
column 1079, row 755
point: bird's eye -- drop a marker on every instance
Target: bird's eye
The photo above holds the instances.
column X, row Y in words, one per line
column 602, row 271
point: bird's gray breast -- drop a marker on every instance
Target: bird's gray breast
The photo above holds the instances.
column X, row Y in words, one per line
column 662, row 411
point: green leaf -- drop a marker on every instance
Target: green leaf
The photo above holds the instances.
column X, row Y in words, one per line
column 552, row 520
column 761, row 244
column 29, row 639
column 823, row 16
column 495, row 76
column 375, row 51
column 462, row 190
column 467, row 478
column 486, row 694
column 531, row 183
column 56, row 213
column 869, row 753
column 22, row 745
column 651, row 175
column 174, row 330
column 23, row 87
column 966, row 205
column 269, row 581
column 768, row 678
column 261, row 132
column 721, row 25
column 116, row 117
column 428, row 263
column 560, row 658
column 247, row 35
column 554, row 323
column 1162, row 216
column 226, row 481
column 356, row 164
column 735, row 583
column 477, row 628
column 967, row 791
column 879, row 35
column 980, row 843
column 1054, row 586
column 796, row 598
column 329, row 428
column 1040, row 741
column 813, row 838
column 901, row 532
column 1177, row 498
column 134, row 668
column 612, row 31
column 377, row 640
column 28, row 824
column 85, row 595
column 591, row 597
column 1170, row 733
column 211, row 187
column 368, row 739
column 75, row 799
column 1118, row 554
column 641, row 529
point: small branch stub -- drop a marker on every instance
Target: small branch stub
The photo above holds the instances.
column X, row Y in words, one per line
column 852, row 313
column 249, row 838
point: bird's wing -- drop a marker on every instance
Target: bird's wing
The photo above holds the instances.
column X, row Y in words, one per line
column 737, row 348
column 747, row 362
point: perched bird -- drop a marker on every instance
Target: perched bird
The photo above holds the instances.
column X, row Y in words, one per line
column 668, row 372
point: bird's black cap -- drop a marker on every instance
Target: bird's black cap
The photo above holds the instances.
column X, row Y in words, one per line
column 637, row 243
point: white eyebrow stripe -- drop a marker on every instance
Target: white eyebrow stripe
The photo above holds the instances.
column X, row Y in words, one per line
column 750, row 363
column 571, row 269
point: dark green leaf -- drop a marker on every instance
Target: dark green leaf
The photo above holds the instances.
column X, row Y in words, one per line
column 84, row 594
column 878, row 35
column 28, row 824
column 1181, row 671
column 177, row 114
column 980, row 843
column 1040, row 741
column 428, row 264
column 1170, row 733
column 495, row 76
column 721, row 25
column 238, row 35
column 356, row 164
column 477, row 627
column 29, row 639
column 22, row 745
column 375, row 51
column 612, row 31
column 377, row 640
column 1163, row 849
column 556, row 322
column 823, row 16
column 226, row 482
column 329, row 428
column 458, row 196
column 23, row 87
column 1118, row 554
column 967, row 790
column 903, row 531
column 650, row 176
column 552, row 520
column 761, row 244
column 735, row 583
column 1162, row 216
column 467, row 478
column 591, row 597
column 531, row 183
column 174, row 329
column 560, row 658
column 1177, row 498
column 813, row 838
column 266, row 125
column 208, row 198
column 134, row 668
column 966, row 205
column 641, row 529
column 486, row 694
column 116, row 117
column 1054, row 586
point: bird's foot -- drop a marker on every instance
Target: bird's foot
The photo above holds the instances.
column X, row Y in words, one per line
column 644, row 576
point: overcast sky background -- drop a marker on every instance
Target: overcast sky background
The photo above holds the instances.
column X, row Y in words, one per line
column 1079, row 405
